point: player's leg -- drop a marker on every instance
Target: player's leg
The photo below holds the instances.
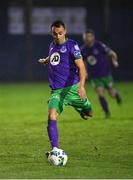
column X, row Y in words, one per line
column 55, row 108
column 102, row 100
column 52, row 127
column 86, row 110
column 83, row 107
column 114, row 93
column 99, row 84
column 109, row 84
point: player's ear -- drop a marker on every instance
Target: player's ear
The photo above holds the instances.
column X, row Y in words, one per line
column 65, row 31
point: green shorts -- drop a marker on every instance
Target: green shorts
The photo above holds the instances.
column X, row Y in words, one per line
column 68, row 96
column 106, row 82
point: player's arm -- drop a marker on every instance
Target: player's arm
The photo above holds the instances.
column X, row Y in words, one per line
column 112, row 54
column 86, row 67
column 82, row 75
column 85, row 62
column 44, row 60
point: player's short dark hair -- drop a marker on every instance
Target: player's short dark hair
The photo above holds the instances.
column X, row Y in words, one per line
column 58, row 23
column 91, row 31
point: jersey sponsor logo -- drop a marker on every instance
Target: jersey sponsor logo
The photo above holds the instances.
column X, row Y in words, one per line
column 55, row 59
column 63, row 49
column 76, row 47
column 92, row 60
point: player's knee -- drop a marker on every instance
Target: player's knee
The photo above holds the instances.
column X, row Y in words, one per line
column 90, row 114
column 52, row 114
column 100, row 95
column 112, row 93
column 100, row 92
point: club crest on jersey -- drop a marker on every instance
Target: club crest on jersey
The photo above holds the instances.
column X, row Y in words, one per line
column 63, row 49
column 55, row 59
column 92, row 60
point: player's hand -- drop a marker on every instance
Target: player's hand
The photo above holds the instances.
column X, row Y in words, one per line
column 82, row 92
column 43, row 61
column 116, row 64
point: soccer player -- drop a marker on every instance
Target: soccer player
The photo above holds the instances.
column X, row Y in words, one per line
column 67, row 74
column 96, row 54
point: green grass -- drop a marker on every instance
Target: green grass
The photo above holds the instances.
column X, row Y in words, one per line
column 97, row 148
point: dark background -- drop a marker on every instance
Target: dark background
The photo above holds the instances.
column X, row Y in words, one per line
column 111, row 20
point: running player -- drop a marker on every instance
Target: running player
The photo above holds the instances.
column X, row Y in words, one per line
column 67, row 74
column 96, row 54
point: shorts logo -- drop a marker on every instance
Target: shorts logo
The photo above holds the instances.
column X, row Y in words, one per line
column 92, row 60
column 55, row 58
column 63, row 49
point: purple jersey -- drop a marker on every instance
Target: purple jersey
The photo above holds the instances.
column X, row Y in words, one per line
column 62, row 69
column 96, row 56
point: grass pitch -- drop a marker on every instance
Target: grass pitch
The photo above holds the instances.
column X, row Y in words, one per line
column 97, row 148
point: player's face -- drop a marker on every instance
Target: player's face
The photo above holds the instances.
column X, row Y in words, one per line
column 58, row 34
column 88, row 38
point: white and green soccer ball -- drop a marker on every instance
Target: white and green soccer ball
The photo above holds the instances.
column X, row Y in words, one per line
column 57, row 157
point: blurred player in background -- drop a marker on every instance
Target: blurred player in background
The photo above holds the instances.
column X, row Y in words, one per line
column 67, row 76
column 96, row 54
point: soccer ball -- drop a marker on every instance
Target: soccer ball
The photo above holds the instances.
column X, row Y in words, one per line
column 57, row 157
